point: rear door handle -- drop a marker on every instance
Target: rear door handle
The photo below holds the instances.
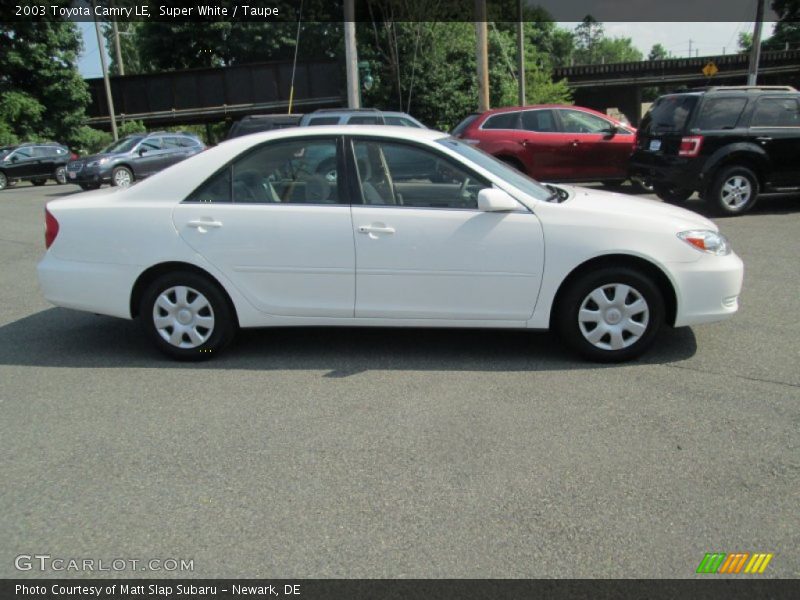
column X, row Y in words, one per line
column 764, row 139
column 202, row 224
column 375, row 229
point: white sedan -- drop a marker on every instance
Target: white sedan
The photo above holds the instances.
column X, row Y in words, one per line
column 411, row 229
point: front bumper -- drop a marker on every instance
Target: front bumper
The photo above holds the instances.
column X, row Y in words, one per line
column 89, row 175
column 708, row 289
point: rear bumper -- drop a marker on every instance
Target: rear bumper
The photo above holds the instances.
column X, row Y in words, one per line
column 666, row 170
column 95, row 287
column 708, row 289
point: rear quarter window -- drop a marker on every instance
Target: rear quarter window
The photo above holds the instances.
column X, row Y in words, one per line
column 720, row 113
column 776, row 112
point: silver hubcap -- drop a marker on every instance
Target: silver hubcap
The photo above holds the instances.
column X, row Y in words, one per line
column 122, row 178
column 61, row 175
column 183, row 317
column 736, row 192
column 3, row 180
column 613, row 316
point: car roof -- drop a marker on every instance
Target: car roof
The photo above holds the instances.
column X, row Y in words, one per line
column 399, row 132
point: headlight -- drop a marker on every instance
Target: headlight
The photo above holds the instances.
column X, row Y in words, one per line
column 97, row 163
column 708, row 241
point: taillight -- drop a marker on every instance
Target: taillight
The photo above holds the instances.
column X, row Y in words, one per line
column 50, row 228
column 73, row 156
column 690, row 145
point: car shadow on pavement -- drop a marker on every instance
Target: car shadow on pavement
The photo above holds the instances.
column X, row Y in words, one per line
column 58, row 337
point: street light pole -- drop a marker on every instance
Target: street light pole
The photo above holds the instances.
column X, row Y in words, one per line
column 482, row 55
column 755, row 52
column 351, row 55
column 521, row 54
column 103, row 64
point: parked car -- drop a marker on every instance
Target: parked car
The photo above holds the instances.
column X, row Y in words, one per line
column 258, row 123
column 35, row 162
column 406, row 166
column 727, row 143
column 359, row 116
column 554, row 142
column 132, row 158
column 247, row 234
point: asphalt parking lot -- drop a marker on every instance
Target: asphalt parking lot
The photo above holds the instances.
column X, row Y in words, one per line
column 401, row 453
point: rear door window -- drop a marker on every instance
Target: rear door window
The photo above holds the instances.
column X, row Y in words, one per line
column 541, row 121
column 776, row 112
column 324, row 121
column 361, row 120
column 720, row 113
column 502, row 121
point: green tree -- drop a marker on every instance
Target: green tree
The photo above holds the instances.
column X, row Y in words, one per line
column 128, row 42
column 593, row 47
column 787, row 29
column 42, row 95
column 657, row 52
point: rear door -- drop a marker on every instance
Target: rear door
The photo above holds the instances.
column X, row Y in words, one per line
column 775, row 126
column 279, row 231
column 548, row 154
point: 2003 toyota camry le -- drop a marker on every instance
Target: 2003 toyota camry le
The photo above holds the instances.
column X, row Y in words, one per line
column 253, row 233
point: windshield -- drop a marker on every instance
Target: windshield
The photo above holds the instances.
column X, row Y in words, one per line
column 125, row 145
column 669, row 114
column 500, row 169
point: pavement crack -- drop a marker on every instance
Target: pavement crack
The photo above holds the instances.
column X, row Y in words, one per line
column 746, row 377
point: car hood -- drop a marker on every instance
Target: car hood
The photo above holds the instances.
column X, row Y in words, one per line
column 632, row 207
column 94, row 157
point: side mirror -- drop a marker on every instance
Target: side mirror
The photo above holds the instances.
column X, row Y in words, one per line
column 142, row 150
column 14, row 158
column 495, row 200
column 611, row 130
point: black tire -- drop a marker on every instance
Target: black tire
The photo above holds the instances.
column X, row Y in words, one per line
column 671, row 194
column 120, row 174
column 643, row 185
column 214, row 339
column 723, row 199
column 3, row 181
column 571, row 326
column 60, row 175
column 89, row 186
column 38, row 182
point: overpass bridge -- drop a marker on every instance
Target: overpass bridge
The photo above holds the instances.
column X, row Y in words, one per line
column 214, row 94
column 620, row 84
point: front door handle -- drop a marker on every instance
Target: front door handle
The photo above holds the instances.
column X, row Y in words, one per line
column 575, row 142
column 764, row 139
column 203, row 225
column 373, row 229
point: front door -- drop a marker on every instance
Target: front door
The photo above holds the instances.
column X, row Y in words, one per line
column 425, row 251
column 279, row 231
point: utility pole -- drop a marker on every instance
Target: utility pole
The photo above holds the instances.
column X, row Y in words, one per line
column 690, row 48
column 351, row 55
column 483, row 55
column 755, row 52
column 117, row 47
column 521, row 54
column 103, row 64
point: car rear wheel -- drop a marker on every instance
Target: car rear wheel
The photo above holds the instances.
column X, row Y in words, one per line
column 187, row 316
column 60, row 175
column 3, row 181
column 672, row 194
column 734, row 191
column 38, row 182
column 121, row 177
column 610, row 315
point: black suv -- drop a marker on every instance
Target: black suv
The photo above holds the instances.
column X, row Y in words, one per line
column 36, row 162
column 726, row 143
column 132, row 158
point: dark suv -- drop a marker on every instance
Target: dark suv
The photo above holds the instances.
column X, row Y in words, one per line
column 133, row 157
column 726, row 143
column 35, row 162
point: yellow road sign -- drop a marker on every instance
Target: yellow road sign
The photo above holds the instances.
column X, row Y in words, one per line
column 710, row 69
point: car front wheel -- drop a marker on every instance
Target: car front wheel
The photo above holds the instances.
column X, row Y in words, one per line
column 3, row 181
column 187, row 316
column 60, row 175
column 734, row 191
column 121, row 177
column 610, row 315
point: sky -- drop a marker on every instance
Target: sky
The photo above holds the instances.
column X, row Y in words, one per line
column 707, row 38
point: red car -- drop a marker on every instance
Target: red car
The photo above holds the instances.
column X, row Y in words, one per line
column 554, row 142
